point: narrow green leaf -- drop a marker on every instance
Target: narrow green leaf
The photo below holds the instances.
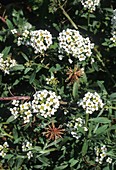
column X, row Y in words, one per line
column 18, row 67
column 9, row 24
column 8, row 156
column 15, row 134
column 73, row 162
column 47, row 151
column 113, row 127
column 27, row 70
column 19, row 162
column 101, row 129
column 10, row 119
column 100, row 120
column 24, row 56
column 6, row 51
column 61, row 167
column 32, row 77
column 75, row 89
column 85, row 147
column 113, row 97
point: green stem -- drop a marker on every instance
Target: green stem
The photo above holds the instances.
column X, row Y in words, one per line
column 6, row 134
column 67, row 16
column 88, row 20
column 86, row 119
column 114, row 108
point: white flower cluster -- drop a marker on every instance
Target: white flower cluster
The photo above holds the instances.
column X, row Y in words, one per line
column 74, row 125
column 14, row 31
column 72, row 43
column 91, row 102
column 90, row 4
column 46, row 103
column 101, row 153
column 3, row 149
column 52, row 81
column 113, row 31
column 6, row 64
column 39, row 40
column 21, row 110
column 24, row 38
column 25, row 148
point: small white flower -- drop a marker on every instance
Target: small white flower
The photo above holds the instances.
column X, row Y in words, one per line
column 70, row 61
column 1, row 147
column 26, row 119
column 60, row 57
column 29, row 154
column 85, row 129
column 28, row 144
column 14, row 31
column 109, row 160
column 3, row 154
column 15, row 102
column 5, row 145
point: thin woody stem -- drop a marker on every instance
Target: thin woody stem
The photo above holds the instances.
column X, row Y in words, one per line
column 2, row 19
column 67, row 16
column 15, row 98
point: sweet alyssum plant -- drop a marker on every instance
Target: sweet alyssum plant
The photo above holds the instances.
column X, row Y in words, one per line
column 57, row 107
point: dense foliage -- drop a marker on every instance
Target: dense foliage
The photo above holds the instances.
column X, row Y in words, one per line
column 57, row 85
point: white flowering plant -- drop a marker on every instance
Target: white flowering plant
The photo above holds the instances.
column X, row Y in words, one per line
column 57, row 85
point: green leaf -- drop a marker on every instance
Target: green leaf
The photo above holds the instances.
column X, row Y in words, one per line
column 38, row 68
column 85, row 147
column 111, row 154
column 47, row 151
column 73, row 162
column 9, row 24
column 95, row 66
column 16, row 82
column 15, row 134
column 100, row 120
column 10, row 119
column 27, row 70
column 60, row 167
column 56, row 26
column 75, row 89
column 100, row 84
column 25, row 56
column 18, row 67
column 113, row 97
column 19, row 162
column 101, row 129
column 36, row 148
column 113, row 127
column 8, row 156
column 6, row 51
column 44, row 160
column 106, row 168
column 32, row 77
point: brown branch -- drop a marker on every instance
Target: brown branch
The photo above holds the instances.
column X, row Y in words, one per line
column 3, row 19
column 15, row 98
